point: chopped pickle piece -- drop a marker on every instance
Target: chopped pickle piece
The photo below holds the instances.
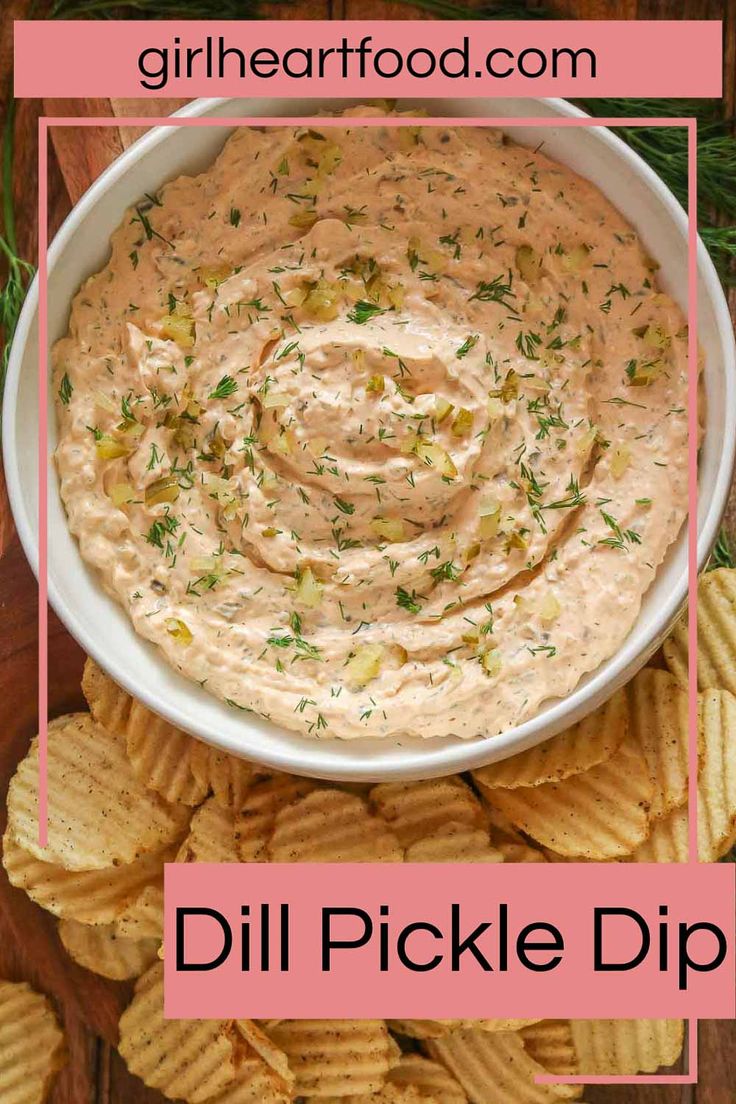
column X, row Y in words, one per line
column 269, row 480
column 295, row 296
column 179, row 630
column 121, row 493
column 395, row 656
column 218, row 487
column 442, row 408
column 178, row 327
column 308, row 591
column 434, row 456
column 108, row 448
column 375, row 385
column 304, row 220
column 131, row 429
column 527, row 263
column 471, row 552
column 585, row 443
column 230, row 510
column 620, row 460
column 364, row 666
column 105, row 402
column 509, row 389
column 206, row 565
column 214, row 275
column 323, row 301
column 395, row 296
column 269, row 532
column 408, row 137
column 550, row 609
column 283, row 443
column 390, row 529
column 655, row 337
column 490, row 661
column 330, row 159
column 495, row 408
column 576, row 258
column 490, row 517
column 641, row 375
column 462, row 423
column 165, row 489
column 535, row 383
column 517, row 540
column 274, row 400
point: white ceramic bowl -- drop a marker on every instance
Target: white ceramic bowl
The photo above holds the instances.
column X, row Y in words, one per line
column 102, row 628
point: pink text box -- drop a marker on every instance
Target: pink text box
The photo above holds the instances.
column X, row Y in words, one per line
column 668, row 58
column 294, row 983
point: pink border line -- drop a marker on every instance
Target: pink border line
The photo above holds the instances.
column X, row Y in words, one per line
column 690, row 124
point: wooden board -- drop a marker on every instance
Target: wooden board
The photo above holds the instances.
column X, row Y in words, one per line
column 29, row 947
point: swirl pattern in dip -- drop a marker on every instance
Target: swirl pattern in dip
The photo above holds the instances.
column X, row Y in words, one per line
column 376, row 430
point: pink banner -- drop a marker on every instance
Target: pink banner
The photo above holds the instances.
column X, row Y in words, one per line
column 266, row 941
column 372, row 58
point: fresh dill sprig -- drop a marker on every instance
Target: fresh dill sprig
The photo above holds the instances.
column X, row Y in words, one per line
column 723, row 554
column 154, row 9
column 19, row 272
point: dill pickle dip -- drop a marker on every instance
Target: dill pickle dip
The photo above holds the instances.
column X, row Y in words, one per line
column 376, row 430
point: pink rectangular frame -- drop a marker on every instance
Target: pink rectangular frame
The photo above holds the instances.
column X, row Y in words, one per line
column 690, row 124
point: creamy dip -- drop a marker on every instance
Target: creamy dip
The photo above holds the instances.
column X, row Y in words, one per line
column 376, row 430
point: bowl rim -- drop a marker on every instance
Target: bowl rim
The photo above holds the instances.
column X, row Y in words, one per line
column 421, row 761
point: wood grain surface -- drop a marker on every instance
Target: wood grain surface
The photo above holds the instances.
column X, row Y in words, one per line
column 29, row 946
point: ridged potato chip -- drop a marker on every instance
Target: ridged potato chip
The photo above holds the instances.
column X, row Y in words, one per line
column 211, row 835
column 100, row 813
column 430, row 1078
column 101, row 949
column 717, row 778
column 188, row 1059
column 414, row 810
column 108, row 703
column 389, row 1094
column 32, row 1048
column 255, row 1083
column 586, row 744
column 143, row 916
column 658, row 716
column 716, row 634
column 454, row 843
column 667, row 841
column 254, row 823
column 601, row 814
column 496, row 1068
column 619, row 1047
column 336, row 1057
column 90, row 896
column 258, row 1042
column 520, row 852
column 228, row 777
column 160, row 753
column 437, row 1029
column 550, row 1044
column 331, row 826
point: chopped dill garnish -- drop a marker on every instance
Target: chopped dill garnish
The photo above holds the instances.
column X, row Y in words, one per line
column 363, row 311
column 226, row 387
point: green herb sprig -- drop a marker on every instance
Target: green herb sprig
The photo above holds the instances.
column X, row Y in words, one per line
column 19, row 272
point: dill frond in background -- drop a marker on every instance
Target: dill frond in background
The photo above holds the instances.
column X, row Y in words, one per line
column 154, row 9
column 18, row 273
column 723, row 554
